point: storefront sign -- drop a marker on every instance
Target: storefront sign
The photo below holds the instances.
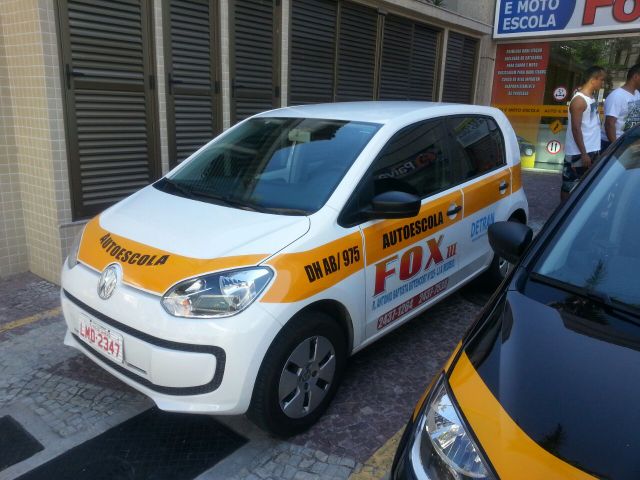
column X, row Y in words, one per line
column 518, row 90
column 520, row 73
column 545, row 18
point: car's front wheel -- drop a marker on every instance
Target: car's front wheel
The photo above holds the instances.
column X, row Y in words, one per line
column 299, row 374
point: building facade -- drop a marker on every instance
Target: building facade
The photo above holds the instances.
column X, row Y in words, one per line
column 98, row 98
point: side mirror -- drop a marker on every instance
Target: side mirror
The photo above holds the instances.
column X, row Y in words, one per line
column 509, row 240
column 394, row 205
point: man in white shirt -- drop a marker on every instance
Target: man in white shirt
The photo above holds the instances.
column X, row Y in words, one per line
column 622, row 108
column 582, row 143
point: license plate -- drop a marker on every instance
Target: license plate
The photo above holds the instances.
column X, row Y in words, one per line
column 101, row 338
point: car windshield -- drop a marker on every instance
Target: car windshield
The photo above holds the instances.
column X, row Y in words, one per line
column 275, row 165
column 598, row 248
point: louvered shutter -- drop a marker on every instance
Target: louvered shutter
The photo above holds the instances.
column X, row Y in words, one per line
column 313, row 32
column 254, row 57
column 193, row 109
column 409, row 54
column 356, row 52
column 424, row 54
column 459, row 68
column 110, row 102
column 396, row 59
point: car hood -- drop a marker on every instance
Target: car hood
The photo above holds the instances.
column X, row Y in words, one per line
column 159, row 238
column 566, row 375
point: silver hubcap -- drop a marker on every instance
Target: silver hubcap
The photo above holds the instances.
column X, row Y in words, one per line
column 306, row 377
column 503, row 267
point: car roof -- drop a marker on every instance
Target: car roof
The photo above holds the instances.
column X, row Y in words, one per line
column 381, row 112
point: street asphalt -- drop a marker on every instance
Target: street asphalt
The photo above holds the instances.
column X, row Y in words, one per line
column 63, row 400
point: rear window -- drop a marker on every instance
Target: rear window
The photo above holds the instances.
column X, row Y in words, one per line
column 476, row 144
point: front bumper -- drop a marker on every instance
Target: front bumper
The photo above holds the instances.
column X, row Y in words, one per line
column 184, row 365
column 160, row 365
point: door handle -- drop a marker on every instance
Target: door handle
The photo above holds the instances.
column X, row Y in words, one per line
column 454, row 210
column 503, row 186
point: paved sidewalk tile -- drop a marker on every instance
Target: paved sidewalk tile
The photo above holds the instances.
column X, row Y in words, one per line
column 25, row 294
column 65, row 389
column 543, row 194
column 62, row 398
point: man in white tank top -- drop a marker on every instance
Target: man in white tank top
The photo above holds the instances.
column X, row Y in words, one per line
column 582, row 143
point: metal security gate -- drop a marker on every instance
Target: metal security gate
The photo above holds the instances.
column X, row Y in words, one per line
column 313, row 32
column 255, row 62
column 110, row 100
column 459, row 69
column 193, row 83
column 345, row 51
column 356, row 53
column 409, row 59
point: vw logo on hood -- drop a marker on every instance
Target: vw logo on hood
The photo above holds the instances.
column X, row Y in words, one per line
column 109, row 280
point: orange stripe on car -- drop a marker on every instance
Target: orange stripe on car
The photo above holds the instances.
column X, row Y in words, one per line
column 304, row 274
column 485, row 192
column 511, row 451
column 301, row 275
column 147, row 267
column 516, row 177
column 390, row 236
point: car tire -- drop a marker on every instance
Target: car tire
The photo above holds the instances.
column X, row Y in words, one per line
column 295, row 385
column 499, row 267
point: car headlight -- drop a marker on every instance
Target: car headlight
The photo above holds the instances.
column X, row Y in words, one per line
column 72, row 259
column 216, row 295
column 443, row 447
column 528, row 151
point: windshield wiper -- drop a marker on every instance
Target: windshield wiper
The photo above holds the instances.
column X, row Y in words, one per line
column 597, row 296
column 228, row 201
column 286, row 211
column 180, row 188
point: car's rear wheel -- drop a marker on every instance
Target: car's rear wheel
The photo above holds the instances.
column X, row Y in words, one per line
column 299, row 374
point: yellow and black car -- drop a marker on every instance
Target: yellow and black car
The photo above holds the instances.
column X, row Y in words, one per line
column 546, row 384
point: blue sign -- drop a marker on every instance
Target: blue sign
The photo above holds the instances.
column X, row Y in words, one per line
column 524, row 16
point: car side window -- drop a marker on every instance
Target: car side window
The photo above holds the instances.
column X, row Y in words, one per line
column 415, row 160
column 476, row 146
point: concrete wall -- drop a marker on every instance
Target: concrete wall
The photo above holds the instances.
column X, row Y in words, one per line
column 480, row 10
column 13, row 248
column 37, row 145
column 161, row 85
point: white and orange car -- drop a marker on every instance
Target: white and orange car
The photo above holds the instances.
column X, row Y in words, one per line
column 243, row 279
